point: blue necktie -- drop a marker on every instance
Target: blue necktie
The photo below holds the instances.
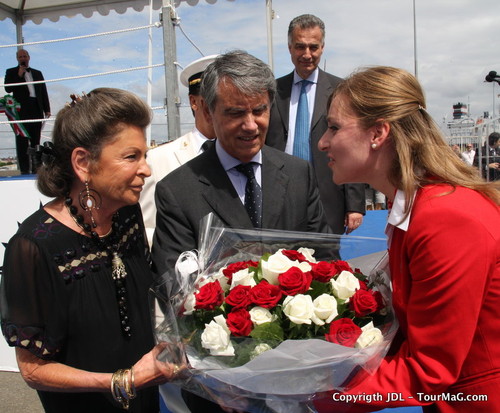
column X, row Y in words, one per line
column 301, row 146
column 253, row 194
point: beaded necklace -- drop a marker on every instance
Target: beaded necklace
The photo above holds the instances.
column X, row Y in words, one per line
column 110, row 242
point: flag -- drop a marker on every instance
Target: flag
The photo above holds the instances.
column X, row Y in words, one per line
column 11, row 108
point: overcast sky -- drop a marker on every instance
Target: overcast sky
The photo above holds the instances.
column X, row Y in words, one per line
column 458, row 43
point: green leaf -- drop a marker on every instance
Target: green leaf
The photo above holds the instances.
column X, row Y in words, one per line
column 343, row 308
column 318, row 288
column 268, row 332
column 266, row 256
column 243, row 353
column 360, row 276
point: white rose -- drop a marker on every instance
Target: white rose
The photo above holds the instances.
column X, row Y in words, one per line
column 304, row 266
column 222, row 280
column 308, row 254
column 345, row 285
column 300, row 310
column 215, row 337
column 261, row 315
column 370, row 335
column 325, row 307
column 189, row 304
column 243, row 277
column 277, row 264
column 259, row 349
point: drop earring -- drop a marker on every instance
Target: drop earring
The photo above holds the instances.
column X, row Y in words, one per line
column 89, row 199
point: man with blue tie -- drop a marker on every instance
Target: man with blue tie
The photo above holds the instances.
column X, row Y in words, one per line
column 298, row 120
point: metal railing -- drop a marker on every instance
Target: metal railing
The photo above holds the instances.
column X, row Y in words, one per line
column 479, row 141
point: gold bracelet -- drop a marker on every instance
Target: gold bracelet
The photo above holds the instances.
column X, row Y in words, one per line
column 114, row 387
column 131, row 391
column 117, row 388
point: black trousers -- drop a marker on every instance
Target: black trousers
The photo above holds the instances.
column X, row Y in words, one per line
column 29, row 110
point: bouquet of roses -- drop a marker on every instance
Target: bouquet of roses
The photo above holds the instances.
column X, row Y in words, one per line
column 285, row 295
column 264, row 322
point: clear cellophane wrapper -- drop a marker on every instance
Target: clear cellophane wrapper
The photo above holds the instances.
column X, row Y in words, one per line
column 286, row 378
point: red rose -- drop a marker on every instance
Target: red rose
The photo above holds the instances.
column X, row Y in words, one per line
column 323, row 271
column 239, row 322
column 362, row 285
column 209, row 296
column 238, row 297
column 237, row 266
column 265, row 295
column 294, row 281
column 343, row 332
column 363, row 303
column 294, row 255
column 342, row 266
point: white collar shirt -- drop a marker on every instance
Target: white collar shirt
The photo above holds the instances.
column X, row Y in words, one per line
column 238, row 179
column 396, row 216
column 468, row 156
column 28, row 77
column 199, row 139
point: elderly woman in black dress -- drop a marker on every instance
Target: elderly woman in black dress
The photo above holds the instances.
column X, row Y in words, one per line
column 74, row 293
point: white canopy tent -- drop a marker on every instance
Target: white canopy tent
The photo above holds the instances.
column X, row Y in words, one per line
column 20, row 11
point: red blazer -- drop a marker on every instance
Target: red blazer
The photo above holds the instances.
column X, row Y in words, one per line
column 445, row 272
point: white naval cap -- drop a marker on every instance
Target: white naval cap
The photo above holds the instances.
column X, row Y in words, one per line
column 191, row 75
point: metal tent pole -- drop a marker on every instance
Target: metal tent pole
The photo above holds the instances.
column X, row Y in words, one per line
column 150, row 70
column 269, row 19
column 169, row 19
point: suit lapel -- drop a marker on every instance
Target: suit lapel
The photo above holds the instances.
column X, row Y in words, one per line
column 274, row 187
column 36, row 75
column 219, row 192
column 323, row 91
column 284, row 91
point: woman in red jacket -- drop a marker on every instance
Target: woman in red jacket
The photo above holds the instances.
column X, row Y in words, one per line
column 444, row 249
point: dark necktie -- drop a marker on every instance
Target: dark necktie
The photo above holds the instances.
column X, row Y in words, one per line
column 301, row 146
column 253, row 194
column 207, row 144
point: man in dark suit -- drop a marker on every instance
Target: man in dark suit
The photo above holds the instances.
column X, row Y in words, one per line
column 237, row 90
column 344, row 204
column 34, row 101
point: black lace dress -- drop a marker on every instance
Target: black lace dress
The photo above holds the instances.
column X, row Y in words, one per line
column 59, row 301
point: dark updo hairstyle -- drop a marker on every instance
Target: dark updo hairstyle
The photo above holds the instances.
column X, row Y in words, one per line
column 91, row 122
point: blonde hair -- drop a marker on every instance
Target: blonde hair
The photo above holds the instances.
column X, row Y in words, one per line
column 422, row 154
